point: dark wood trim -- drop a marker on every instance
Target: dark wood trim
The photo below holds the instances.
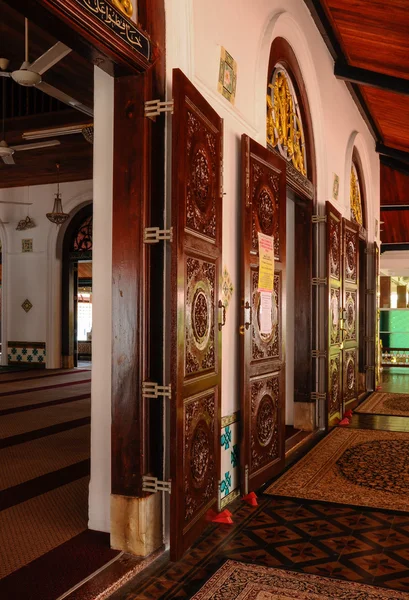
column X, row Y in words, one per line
column 370, row 78
column 364, row 111
column 393, row 207
column 324, row 26
column 394, row 246
column 84, row 33
column 394, row 164
column 137, row 269
column 129, row 369
column 400, row 155
column 303, row 313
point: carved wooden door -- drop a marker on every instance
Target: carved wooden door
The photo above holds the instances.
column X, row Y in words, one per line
column 262, row 354
column 197, row 146
column 350, row 312
column 377, row 360
column 335, row 273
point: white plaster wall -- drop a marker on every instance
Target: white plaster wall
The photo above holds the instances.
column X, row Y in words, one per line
column 100, row 485
column 195, row 32
column 27, row 275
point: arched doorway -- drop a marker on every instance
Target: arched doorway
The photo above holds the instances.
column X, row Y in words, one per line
column 357, row 197
column 290, row 134
column 77, row 290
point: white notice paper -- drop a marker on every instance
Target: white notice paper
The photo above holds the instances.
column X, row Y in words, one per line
column 266, row 324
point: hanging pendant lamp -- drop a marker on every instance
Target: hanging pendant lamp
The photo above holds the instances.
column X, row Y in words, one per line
column 57, row 216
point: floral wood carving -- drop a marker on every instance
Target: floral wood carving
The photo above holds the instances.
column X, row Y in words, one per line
column 335, row 385
column 350, row 255
column 334, row 247
column 350, row 374
column 265, row 396
column 350, row 311
column 199, row 316
column 334, row 316
column 202, row 186
column 199, row 462
column 265, row 206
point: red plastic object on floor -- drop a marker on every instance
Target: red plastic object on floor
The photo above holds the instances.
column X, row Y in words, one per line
column 224, row 517
column 344, row 422
column 250, row 499
column 348, row 414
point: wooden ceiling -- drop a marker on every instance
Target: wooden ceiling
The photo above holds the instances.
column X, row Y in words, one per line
column 369, row 41
column 29, row 109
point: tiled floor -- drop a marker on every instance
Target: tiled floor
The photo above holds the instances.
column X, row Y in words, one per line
column 363, row 545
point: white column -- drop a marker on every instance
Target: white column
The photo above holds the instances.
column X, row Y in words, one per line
column 100, row 486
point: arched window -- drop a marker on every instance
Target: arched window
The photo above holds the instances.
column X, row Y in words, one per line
column 356, row 193
column 284, row 124
column 82, row 238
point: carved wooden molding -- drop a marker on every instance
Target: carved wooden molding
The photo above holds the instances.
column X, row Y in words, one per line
column 295, row 180
column 103, row 26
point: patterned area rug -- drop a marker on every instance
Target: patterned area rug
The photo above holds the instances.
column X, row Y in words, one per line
column 356, row 466
column 239, row 581
column 385, row 404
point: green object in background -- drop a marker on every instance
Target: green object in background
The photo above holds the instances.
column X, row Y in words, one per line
column 394, row 328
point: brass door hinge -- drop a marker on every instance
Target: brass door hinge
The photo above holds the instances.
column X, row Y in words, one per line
column 319, row 281
column 153, row 235
column 319, row 354
column 153, row 484
column 318, row 396
column 154, row 108
column 319, row 218
column 150, row 389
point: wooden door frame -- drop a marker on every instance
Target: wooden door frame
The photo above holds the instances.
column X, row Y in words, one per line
column 68, row 292
column 138, row 197
column 304, row 189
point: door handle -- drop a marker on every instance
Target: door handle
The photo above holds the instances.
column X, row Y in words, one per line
column 223, row 323
column 247, row 306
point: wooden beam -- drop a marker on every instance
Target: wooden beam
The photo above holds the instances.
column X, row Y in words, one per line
column 334, row 46
column 392, row 207
column 392, row 152
column 395, row 246
column 394, row 164
column 365, row 77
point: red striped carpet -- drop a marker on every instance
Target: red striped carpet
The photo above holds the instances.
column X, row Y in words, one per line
column 45, row 547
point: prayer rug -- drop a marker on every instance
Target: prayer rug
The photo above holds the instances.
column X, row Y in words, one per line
column 385, row 404
column 353, row 467
column 240, row 581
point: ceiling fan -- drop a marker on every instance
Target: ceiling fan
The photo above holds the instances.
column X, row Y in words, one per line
column 86, row 128
column 6, row 151
column 29, row 75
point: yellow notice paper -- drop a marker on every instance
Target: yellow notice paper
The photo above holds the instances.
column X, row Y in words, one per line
column 266, row 263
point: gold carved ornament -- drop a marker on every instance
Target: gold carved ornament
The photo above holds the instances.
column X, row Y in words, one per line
column 125, row 6
column 355, row 198
column 284, row 127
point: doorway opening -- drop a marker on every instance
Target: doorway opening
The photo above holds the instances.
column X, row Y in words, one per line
column 298, row 321
column 77, row 291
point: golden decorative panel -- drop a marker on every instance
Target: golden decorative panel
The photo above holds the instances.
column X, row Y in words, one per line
column 284, row 126
column 355, row 198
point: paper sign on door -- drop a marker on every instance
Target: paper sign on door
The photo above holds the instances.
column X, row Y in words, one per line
column 266, row 322
column 266, row 263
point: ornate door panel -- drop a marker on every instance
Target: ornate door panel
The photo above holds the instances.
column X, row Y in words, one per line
column 262, row 354
column 378, row 352
column 350, row 311
column 197, row 146
column 334, row 277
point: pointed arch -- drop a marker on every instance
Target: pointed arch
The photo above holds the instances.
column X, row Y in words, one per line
column 357, row 195
column 289, row 122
